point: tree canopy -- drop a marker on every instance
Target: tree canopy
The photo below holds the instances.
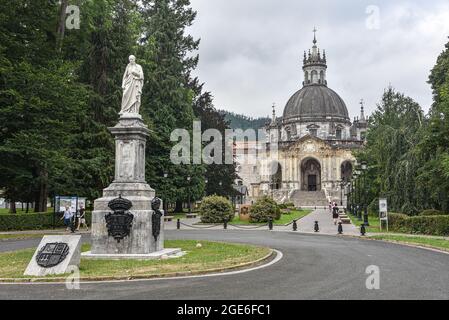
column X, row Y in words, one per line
column 60, row 90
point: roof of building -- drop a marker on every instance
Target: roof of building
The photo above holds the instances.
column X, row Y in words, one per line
column 316, row 103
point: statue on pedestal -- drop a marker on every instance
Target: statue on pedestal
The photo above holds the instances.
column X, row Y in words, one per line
column 132, row 87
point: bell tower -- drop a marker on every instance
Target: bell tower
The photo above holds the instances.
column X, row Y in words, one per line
column 314, row 65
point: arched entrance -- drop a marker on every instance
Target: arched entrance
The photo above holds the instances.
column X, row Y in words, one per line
column 346, row 171
column 276, row 176
column 310, row 175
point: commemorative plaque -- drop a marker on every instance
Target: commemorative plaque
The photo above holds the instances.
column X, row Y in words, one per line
column 52, row 254
column 56, row 254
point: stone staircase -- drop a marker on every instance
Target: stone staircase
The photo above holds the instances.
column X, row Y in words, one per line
column 309, row 199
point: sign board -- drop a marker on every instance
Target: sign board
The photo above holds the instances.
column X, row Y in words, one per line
column 55, row 254
column 383, row 212
column 73, row 202
column 383, row 205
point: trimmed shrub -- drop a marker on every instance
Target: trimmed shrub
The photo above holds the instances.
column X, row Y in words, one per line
column 33, row 221
column 428, row 225
column 433, row 212
column 290, row 205
column 216, row 209
column 282, row 206
column 263, row 209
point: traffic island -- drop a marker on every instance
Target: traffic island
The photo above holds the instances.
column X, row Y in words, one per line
column 198, row 258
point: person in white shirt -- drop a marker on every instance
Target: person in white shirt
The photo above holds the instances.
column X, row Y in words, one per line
column 68, row 215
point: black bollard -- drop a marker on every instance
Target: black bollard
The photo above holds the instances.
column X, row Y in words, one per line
column 178, row 224
column 225, row 224
column 317, row 227
column 295, row 225
column 340, row 228
column 363, row 230
column 270, row 223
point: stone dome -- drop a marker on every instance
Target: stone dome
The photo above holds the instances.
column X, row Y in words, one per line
column 316, row 103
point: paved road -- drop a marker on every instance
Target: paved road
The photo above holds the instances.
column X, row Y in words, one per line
column 313, row 267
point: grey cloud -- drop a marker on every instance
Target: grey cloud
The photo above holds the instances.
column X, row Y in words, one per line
column 251, row 51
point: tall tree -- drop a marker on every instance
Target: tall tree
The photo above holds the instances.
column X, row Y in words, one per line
column 395, row 129
column 434, row 147
column 167, row 58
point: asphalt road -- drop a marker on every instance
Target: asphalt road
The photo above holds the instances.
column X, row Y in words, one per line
column 313, row 267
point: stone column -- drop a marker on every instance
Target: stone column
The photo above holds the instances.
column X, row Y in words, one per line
column 130, row 141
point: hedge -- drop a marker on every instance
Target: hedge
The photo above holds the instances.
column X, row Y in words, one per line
column 33, row 221
column 428, row 225
column 433, row 212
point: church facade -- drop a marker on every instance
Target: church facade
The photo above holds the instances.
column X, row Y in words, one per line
column 315, row 140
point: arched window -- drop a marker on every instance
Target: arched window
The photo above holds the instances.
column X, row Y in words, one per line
column 306, row 77
column 314, row 76
column 338, row 133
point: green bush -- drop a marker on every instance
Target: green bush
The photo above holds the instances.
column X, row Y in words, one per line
column 215, row 209
column 263, row 209
column 428, row 225
column 33, row 221
column 432, row 212
column 290, row 205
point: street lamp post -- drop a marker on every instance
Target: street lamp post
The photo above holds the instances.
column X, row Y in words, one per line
column 359, row 195
column 165, row 203
column 365, row 195
column 188, row 187
column 348, row 196
column 354, row 194
column 342, row 184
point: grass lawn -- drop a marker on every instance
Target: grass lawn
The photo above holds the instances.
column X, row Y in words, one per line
column 439, row 243
column 212, row 255
column 374, row 224
column 285, row 218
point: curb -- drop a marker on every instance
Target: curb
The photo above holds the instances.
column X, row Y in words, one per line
column 406, row 244
column 240, row 267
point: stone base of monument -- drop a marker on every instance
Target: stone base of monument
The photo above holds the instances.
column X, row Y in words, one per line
column 163, row 254
column 56, row 254
column 145, row 236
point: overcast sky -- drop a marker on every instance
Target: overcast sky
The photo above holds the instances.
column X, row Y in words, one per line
column 251, row 50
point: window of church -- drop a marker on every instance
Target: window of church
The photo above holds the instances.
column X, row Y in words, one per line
column 338, row 134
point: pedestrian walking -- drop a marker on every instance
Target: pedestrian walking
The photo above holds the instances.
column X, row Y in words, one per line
column 82, row 218
column 67, row 217
column 335, row 214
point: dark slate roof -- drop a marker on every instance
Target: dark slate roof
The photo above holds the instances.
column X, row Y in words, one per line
column 315, row 103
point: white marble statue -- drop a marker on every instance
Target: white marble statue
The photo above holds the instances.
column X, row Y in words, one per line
column 132, row 87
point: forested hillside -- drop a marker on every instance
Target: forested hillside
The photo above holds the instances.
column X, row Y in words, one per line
column 238, row 121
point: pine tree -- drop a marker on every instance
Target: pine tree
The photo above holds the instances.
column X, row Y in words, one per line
column 167, row 100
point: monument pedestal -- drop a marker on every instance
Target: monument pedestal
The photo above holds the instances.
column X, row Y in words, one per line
column 130, row 141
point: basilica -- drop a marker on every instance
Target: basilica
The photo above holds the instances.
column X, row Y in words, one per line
column 315, row 140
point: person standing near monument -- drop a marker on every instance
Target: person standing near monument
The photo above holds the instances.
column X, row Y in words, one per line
column 132, row 87
column 82, row 218
column 67, row 216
